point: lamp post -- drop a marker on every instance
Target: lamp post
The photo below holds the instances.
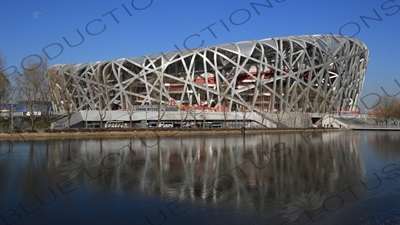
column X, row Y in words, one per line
column 12, row 116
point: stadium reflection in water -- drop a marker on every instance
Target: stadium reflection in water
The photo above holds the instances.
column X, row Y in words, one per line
column 218, row 168
column 258, row 173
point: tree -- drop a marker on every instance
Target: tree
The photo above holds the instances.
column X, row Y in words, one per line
column 161, row 112
column 32, row 86
column 225, row 114
column 44, row 89
column 102, row 108
column 6, row 89
column 162, row 109
column 101, row 92
column 62, row 93
column 184, row 113
column 244, row 110
column 387, row 108
column 130, row 110
column 204, row 115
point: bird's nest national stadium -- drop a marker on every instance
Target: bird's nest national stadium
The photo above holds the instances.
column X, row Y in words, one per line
column 302, row 74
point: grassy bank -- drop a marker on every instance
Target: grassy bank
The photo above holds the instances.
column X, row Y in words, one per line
column 134, row 133
column 24, row 122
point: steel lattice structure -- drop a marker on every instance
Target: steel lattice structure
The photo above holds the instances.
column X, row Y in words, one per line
column 315, row 74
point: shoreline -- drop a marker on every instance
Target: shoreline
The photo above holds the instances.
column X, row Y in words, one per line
column 150, row 133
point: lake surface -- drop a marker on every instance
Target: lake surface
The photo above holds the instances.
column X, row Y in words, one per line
column 346, row 177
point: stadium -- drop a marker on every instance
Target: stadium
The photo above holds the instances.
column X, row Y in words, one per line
column 251, row 81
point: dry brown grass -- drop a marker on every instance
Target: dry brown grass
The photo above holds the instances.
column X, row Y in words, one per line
column 146, row 133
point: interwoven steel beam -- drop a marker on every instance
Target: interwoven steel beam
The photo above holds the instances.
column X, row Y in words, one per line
column 317, row 74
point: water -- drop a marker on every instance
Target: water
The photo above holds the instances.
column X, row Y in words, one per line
column 343, row 177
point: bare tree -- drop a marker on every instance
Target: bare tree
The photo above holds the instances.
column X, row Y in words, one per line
column 130, row 110
column 69, row 107
column 62, row 89
column 387, row 108
column 396, row 111
column 161, row 107
column 244, row 113
column 44, row 89
column 224, row 106
column 102, row 109
column 161, row 112
column 194, row 114
column 204, row 115
column 30, row 86
column 102, row 88
column 6, row 89
column 184, row 115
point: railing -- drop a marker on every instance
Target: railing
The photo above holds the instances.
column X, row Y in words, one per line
column 343, row 115
column 379, row 126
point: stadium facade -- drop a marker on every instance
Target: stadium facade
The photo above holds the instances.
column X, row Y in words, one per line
column 307, row 74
